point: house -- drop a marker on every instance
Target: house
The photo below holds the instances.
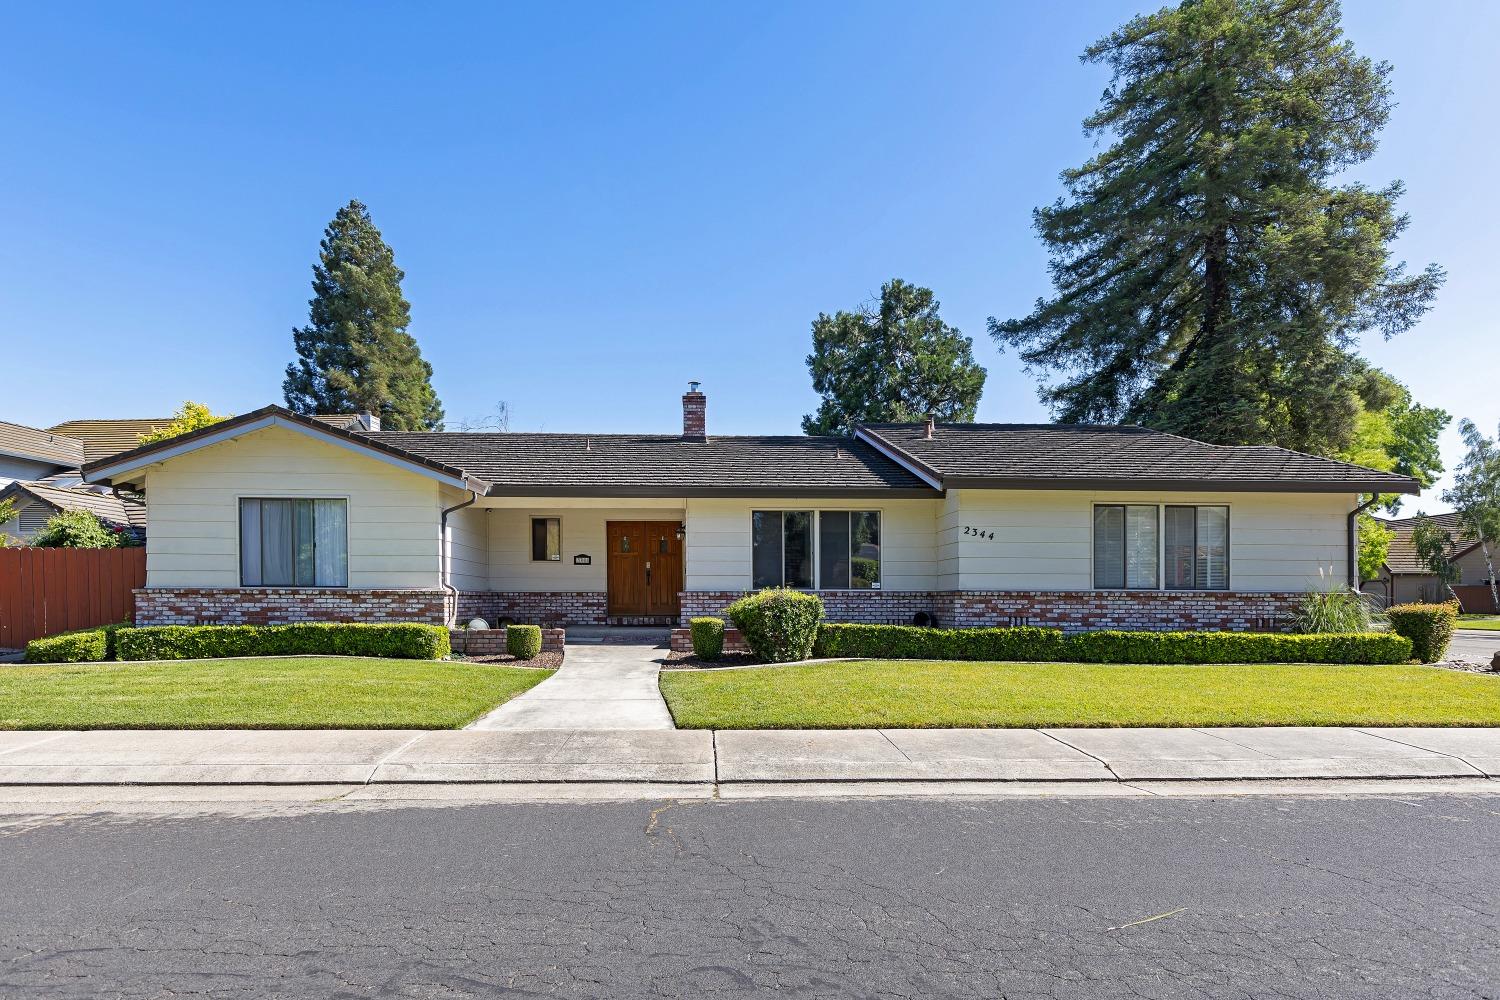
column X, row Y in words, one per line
column 40, row 472
column 1404, row 578
column 28, row 453
column 38, row 502
column 271, row 516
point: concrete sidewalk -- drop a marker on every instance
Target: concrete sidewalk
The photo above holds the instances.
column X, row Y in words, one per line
column 741, row 757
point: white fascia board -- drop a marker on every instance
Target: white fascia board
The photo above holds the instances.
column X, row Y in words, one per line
column 895, row 456
column 272, row 420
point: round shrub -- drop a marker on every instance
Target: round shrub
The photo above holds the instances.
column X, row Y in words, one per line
column 708, row 637
column 1428, row 626
column 524, row 642
column 779, row 625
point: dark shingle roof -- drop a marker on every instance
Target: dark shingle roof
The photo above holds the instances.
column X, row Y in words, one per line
column 127, row 511
column 1079, row 455
column 661, row 464
column 1402, row 554
column 44, row 446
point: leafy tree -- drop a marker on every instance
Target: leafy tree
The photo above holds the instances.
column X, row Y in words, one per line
column 355, row 353
column 190, row 417
column 7, row 513
column 1475, row 496
column 1435, row 548
column 897, row 362
column 1374, row 546
column 79, row 529
column 1211, row 277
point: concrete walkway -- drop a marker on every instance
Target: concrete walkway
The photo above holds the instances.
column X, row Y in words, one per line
column 599, row 687
column 823, row 758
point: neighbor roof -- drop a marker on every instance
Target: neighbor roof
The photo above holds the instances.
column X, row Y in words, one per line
column 43, row 446
column 1401, row 556
column 663, row 464
column 1052, row 456
column 103, row 438
column 115, row 509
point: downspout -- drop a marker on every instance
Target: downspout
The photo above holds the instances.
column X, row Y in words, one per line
column 450, row 619
column 1353, row 556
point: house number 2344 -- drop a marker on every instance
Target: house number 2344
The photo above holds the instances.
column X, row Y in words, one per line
column 984, row 533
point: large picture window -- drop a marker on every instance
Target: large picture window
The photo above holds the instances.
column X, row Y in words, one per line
column 1197, row 548
column 1125, row 547
column 840, row 549
column 294, row 543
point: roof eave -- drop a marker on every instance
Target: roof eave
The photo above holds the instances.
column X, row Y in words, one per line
column 1410, row 487
column 911, row 463
column 704, row 492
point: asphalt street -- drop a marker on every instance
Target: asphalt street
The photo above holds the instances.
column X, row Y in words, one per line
column 1223, row 897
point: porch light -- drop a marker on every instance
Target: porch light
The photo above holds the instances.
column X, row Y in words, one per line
column 681, row 531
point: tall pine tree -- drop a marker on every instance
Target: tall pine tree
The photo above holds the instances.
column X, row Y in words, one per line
column 355, row 353
column 897, row 362
column 1211, row 276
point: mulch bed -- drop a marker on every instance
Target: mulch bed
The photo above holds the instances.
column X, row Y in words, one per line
column 542, row 661
column 687, row 661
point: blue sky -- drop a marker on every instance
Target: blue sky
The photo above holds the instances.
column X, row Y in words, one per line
column 595, row 203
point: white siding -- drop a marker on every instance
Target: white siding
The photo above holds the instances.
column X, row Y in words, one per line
column 582, row 529
column 193, row 510
column 718, row 540
column 13, row 468
column 468, row 544
column 1044, row 538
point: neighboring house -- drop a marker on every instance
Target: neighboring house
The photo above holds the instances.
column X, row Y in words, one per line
column 1404, row 578
column 272, row 516
column 28, row 453
column 38, row 502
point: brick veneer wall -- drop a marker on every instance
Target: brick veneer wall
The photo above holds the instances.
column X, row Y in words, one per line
column 491, row 641
column 734, row 642
column 1071, row 611
column 549, row 608
column 279, row 605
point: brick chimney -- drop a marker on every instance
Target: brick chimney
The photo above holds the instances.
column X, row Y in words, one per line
column 694, row 414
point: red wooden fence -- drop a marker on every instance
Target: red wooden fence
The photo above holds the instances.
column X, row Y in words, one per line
column 1476, row 599
column 45, row 591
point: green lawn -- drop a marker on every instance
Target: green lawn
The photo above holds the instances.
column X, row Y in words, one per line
column 302, row 692
column 911, row 694
column 1491, row 622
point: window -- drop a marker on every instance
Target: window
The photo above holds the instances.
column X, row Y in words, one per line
column 849, row 549
column 1197, row 548
column 1125, row 547
column 294, row 543
column 784, row 543
column 546, row 539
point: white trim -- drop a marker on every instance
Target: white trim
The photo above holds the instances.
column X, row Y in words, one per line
column 271, row 420
column 889, row 451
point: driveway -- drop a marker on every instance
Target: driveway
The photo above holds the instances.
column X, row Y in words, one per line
column 598, row 687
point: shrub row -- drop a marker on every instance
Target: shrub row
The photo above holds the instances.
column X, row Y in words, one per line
column 906, row 642
column 84, row 645
column 1428, row 626
column 404, row 640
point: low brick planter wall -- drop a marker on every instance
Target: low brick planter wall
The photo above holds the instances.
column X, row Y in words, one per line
column 734, row 642
column 491, row 641
column 283, row 605
column 1069, row 610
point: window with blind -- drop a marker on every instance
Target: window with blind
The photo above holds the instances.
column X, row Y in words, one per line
column 1125, row 547
column 294, row 543
column 1197, row 548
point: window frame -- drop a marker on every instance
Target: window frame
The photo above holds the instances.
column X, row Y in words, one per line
column 531, row 537
column 239, row 539
column 1161, row 546
column 815, row 542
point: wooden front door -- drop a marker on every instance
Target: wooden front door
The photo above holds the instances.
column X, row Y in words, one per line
column 644, row 568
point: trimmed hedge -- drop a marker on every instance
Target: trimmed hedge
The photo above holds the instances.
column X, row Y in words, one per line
column 708, row 637
column 911, row 642
column 524, row 642
column 780, row 625
column 1428, row 626
column 906, row 642
column 84, row 645
column 398, row 640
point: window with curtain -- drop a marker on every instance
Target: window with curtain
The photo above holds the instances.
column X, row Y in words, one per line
column 1197, row 548
column 294, row 543
column 781, row 548
column 1125, row 547
column 849, row 549
column 546, row 539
